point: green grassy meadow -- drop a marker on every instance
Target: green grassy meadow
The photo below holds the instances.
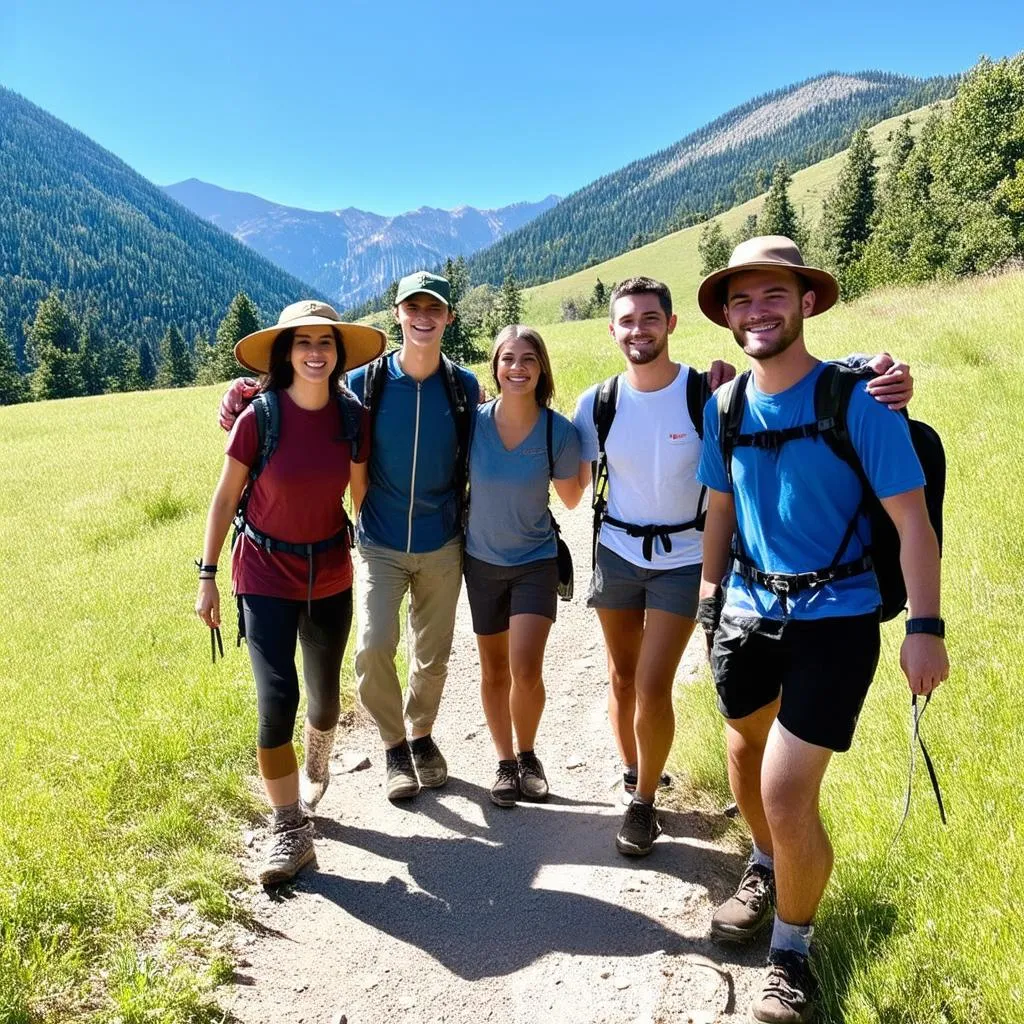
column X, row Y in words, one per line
column 129, row 756
column 674, row 259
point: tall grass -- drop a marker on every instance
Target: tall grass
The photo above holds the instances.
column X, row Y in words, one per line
column 127, row 753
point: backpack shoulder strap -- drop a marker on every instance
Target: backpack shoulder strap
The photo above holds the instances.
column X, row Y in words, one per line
column 732, row 400
column 463, row 416
column 549, row 430
column 832, row 393
column 605, row 400
column 698, row 391
column 351, row 410
column 373, row 385
column 268, row 429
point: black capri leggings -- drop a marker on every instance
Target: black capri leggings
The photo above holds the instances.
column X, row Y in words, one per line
column 272, row 625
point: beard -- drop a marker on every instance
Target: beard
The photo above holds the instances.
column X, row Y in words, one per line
column 642, row 356
column 791, row 329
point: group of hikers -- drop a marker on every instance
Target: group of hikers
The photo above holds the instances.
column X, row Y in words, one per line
column 718, row 499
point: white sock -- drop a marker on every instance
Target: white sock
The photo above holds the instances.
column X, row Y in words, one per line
column 758, row 856
column 794, row 937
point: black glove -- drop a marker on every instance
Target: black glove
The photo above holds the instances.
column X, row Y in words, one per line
column 709, row 612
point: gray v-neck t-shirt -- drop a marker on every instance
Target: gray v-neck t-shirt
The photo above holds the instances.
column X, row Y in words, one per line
column 509, row 522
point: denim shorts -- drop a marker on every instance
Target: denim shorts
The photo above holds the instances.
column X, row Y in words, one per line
column 621, row 585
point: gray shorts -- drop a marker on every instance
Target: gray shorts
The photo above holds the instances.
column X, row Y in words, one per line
column 621, row 585
column 497, row 592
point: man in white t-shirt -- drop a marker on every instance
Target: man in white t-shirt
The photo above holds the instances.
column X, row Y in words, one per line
column 648, row 554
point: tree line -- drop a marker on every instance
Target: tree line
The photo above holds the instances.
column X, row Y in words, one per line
column 949, row 202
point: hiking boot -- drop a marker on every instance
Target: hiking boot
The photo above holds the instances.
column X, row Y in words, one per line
column 533, row 783
column 748, row 909
column 788, row 991
column 629, row 780
column 288, row 852
column 403, row 782
column 315, row 773
column 505, row 791
column 639, row 829
column 431, row 766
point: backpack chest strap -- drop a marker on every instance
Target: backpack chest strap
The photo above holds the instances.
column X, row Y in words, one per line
column 773, row 440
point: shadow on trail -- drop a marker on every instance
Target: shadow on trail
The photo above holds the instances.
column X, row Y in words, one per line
column 474, row 907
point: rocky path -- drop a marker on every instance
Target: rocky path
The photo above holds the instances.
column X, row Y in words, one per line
column 448, row 908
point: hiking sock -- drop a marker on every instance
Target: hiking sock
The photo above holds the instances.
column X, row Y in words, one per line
column 795, row 937
column 319, row 744
column 288, row 817
column 758, row 856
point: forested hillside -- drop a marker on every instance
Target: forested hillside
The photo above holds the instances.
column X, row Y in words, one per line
column 716, row 167
column 75, row 218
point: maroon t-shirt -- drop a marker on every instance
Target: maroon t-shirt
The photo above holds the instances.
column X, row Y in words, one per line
column 297, row 498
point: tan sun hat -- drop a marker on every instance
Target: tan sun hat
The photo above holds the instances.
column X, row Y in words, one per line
column 361, row 343
column 765, row 252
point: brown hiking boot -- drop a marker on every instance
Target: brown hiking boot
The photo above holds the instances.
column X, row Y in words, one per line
column 748, row 909
column 288, row 852
column 788, row 991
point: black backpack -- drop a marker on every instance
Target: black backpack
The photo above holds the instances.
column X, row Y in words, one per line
column 462, row 413
column 564, row 555
column 698, row 391
column 832, row 394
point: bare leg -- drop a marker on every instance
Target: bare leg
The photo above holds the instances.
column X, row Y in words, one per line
column 664, row 639
column 623, row 633
column 528, row 636
column 790, row 786
column 495, row 687
column 745, row 740
column 279, row 770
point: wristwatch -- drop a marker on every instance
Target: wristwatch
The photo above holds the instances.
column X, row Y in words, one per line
column 936, row 627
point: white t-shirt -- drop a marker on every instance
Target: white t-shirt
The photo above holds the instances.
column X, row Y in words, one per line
column 653, row 452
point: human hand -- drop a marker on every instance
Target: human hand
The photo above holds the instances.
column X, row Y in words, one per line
column 236, row 398
column 719, row 373
column 709, row 614
column 894, row 386
column 924, row 662
column 208, row 603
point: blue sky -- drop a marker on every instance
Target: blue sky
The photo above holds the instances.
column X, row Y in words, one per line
column 392, row 105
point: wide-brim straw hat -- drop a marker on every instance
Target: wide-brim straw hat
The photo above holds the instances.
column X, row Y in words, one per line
column 765, row 252
column 362, row 344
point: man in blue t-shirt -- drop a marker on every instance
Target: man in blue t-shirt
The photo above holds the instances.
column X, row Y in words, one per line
column 792, row 666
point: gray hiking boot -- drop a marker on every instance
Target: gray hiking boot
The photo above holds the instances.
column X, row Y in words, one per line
column 315, row 773
column 431, row 766
column 640, row 828
column 505, row 791
column 533, row 783
column 788, row 991
column 403, row 783
column 288, row 851
column 748, row 909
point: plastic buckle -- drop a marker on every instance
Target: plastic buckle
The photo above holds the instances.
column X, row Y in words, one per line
column 778, row 585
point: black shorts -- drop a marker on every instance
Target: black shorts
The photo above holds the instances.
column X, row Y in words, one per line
column 822, row 668
column 497, row 592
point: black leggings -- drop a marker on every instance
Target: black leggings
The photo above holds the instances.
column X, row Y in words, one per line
column 272, row 625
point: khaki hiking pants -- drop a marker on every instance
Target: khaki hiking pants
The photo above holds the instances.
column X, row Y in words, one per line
column 433, row 580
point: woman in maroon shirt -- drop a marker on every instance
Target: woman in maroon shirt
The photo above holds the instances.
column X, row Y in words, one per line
column 290, row 565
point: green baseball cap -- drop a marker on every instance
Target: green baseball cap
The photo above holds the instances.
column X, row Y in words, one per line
column 421, row 281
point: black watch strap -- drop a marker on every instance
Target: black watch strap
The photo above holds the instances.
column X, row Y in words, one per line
column 936, row 627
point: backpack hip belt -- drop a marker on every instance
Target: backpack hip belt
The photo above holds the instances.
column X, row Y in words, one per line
column 306, row 551
column 651, row 531
column 786, row 585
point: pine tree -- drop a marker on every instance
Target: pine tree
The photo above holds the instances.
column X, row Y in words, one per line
column 748, row 229
column 713, row 248
column 204, row 358
column 92, row 355
column 176, row 370
column 778, row 216
column 394, row 328
column 124, row 372
column 53, row 342
column 508, row 307
column 13, row 387
column 598, row 299
column 147, row 365
column 241, row 319
column 457, row 341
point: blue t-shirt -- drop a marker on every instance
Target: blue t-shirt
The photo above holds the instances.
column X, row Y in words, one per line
column 793, row 506
column 412, row 504
column 509, row 523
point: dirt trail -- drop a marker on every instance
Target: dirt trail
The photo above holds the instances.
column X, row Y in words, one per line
column 450, row 909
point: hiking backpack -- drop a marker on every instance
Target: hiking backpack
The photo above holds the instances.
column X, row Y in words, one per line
column 563, row 555
column 462, row 413
column 606, row 400
column 832, row 394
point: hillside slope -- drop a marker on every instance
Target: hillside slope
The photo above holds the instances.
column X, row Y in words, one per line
column 674, row 259
column 75, row 217
column 351, row 254
column 715, row 167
